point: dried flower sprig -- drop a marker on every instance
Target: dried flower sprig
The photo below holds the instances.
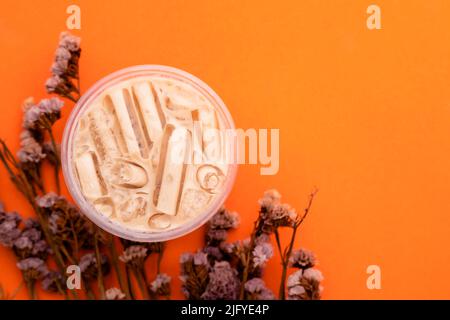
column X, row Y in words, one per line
column 160, row 287
column 236, row 269
column 115, row 294
column 194, row 274
column 38, row 119
column 286, row 253
column 134, row 257
column 304, row 284
column 65, row 79
column 256, row 290
column 60, row 230
column 223, row 283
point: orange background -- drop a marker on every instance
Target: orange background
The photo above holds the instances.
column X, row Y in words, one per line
column 363, row 116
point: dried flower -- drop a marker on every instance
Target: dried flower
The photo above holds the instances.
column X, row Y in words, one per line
column 31, row 242
column 53, row 282
column 269, row 199
column 9, row 228
column 224, row 220
column 32, row 268
column 261, row 254
column 312, row 274
column 302, row 259
column 66, row 222
column 43, row 115
column 69, row 42
column 65, row 67
column 134, row 256
column 89, row 267
column 50, row 154
column 305, row 285
column 161, row 285
column 215, row 236
column 256, row 290
column 213, row 253
column 279, row 215
column 30, row 150
column 223, row 284
column 194, row 274
column 114, row 294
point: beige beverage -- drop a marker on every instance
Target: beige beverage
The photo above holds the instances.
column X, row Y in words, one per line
column 123, row 153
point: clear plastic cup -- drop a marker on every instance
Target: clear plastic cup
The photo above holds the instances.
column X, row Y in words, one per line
column 71, row 180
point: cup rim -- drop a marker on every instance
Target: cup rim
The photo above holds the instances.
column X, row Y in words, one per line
column 85, row 206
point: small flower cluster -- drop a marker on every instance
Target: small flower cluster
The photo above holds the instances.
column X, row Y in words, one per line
column 65, row 68
column 41, row 116
column 223, row 283
column 160, row 287
column 194, row 274
column 30, row 248
column 224, row 270
column 89, row 266
column 215, row 272
column 115, row 294
column 38, row 119
column 274, row 214
column 304, row 284
column 134, row 257
column 67, row 225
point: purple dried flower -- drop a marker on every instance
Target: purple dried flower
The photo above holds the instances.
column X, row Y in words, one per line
column 69, row 42
column 269, row 199
column 42, row 115
column 261, row 254
column 161, row 285
column 302, row 259
column 114, row 294
column 32, row 268
column 31, row 242
column 52, row 282
column 256, row 290
column 65, row 219
column 305, row 285
column 312, row 274
column 9, row 228
column 215, row 236
column 49, row 200
column 51, row 155
column 224, row 219
column 56, row 84
column 65, row 66
column 59, row 67
column 279, row 215
column 89, row 267
column 133, row 254
column 62, row 54
column 223, row 283
column 214, row 253
column 30, row 150
column 194, row 274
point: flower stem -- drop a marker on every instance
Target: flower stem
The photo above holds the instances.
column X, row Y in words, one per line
column 140, row 277
column 129, row 283
column 101, row 284
column 119, row 272
column 248, row 258
column 288, row 251
column 58, row 160
column 31, row 289
column 285, row 262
